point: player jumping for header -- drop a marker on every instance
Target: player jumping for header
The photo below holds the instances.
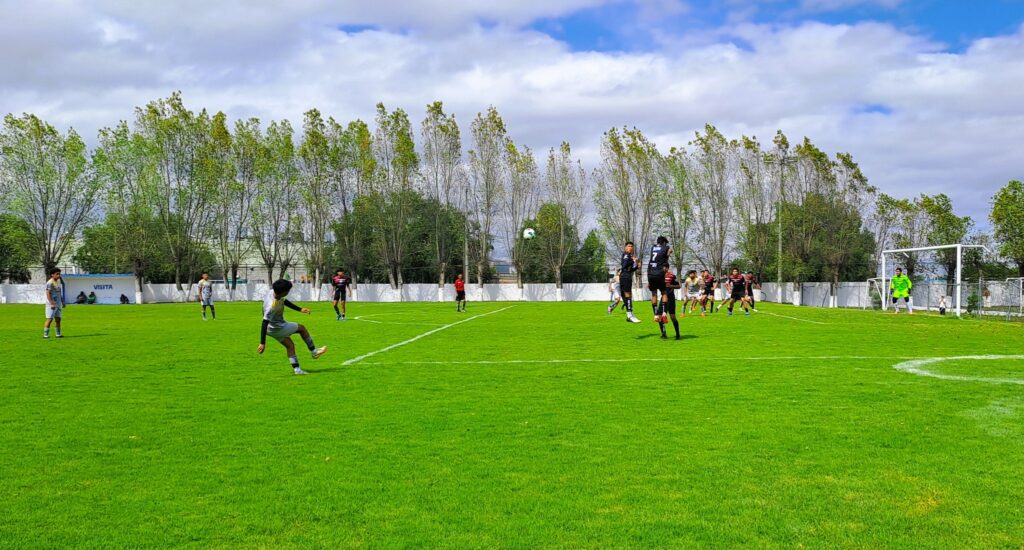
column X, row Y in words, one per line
column 340, row 284
column 204, row 292
column 628, row 265
column 277, row 328
column 656, row 266
column 900, row 286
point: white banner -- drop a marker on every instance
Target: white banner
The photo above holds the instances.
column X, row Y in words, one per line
column 107, row 287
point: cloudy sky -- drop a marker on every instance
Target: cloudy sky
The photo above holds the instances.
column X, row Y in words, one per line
column 928, row 95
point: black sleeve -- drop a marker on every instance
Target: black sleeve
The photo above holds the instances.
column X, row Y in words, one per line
column 263, row 332
column 290, row 305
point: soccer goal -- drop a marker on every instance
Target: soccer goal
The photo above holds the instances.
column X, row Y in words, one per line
column 1014, row 291
column 932, row 288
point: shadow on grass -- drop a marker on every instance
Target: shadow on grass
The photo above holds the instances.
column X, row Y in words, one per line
column 77, row 336
column 670, row 337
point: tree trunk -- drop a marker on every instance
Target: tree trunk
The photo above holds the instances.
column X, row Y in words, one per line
column 391, row 277
column 558, row 277
column 441, row 271
column 270, row 274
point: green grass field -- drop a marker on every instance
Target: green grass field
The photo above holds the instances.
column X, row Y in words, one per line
column 539, row 425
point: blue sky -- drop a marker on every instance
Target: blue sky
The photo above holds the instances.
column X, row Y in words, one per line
column 925, row 94
column 627, row 26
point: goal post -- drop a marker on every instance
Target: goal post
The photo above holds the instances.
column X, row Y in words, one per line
column 956, row 283
column 1014, row 288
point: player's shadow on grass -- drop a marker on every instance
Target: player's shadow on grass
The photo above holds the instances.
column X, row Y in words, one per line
column 323, row 370
column 681, row 337
column 77, row 336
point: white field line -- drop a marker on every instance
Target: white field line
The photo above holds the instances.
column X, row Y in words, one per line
column 646, row 360
column 916, row 366
column 419, row 324
column 424, row 335
column 793, row 318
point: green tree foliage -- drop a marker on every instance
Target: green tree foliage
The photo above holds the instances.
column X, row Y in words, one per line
column 106, row 249
column 17, row 249
column 585, row 261
column 47, row 180
column 1007, row 218
column 944, row 227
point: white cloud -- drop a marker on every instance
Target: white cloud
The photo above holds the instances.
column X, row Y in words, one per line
column 953, row 119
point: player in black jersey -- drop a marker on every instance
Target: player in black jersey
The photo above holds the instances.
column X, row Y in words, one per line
column 656, row 266
column 737, row 287
column 627, row 266
column 707, row 295
column 671, row 284
column 751, row 285
column 340, row 284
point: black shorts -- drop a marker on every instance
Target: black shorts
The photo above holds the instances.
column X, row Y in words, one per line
column 339, row 295
column 460, row 295
column 738, row 295
column 656, row 284
column 625, row 285
column 670, row 304
column 709, row 291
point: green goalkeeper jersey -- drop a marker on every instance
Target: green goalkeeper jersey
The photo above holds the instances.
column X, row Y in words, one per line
column 901, row 286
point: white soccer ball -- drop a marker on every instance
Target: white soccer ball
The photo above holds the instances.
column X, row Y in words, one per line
column 529, row 233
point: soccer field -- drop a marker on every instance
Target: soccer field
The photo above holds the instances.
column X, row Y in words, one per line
column 540, row 424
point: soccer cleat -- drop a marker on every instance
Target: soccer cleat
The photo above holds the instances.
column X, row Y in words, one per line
column 59, row 335
column 337, row 317
column 46, row 335
column 342, row 316
column 632, row 319
column 664, row 337
column 730, row 312
column 747, row 313
column 318, row 352
column 297, row 370
column 678, row 337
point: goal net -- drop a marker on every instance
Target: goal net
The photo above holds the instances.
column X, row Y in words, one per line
column 938, row 279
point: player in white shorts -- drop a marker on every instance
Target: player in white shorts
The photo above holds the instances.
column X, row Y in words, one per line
column 615, row 290
column 277, row 328
column 54, row 303
column 691, row 288
column 204, row 291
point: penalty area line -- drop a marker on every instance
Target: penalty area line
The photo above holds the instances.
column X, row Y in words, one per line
column 355, row 360
column 793, row 318
column 648, row 360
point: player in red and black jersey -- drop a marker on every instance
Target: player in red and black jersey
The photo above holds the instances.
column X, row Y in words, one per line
column 738, row 291
column 340, row 284
column 460, row 293
column 707, row 294
column 669, row 297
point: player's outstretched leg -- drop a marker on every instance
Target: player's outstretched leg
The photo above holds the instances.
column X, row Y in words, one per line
column 313, row 350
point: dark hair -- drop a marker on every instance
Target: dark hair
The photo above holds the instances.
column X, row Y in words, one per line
column 55, row 270
column 205, row 273
column 282, row 287
column 898, row 268
column 662, row 240
column 735, row 269
column 691, row 272
column 629, row 243
column 339, row 270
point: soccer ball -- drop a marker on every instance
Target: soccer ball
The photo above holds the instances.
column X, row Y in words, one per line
column 529, row 233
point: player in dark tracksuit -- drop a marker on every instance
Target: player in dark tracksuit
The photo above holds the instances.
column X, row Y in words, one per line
column 628, row 265
column 656, row 266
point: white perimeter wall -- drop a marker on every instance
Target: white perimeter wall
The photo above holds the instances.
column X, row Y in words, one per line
column 33, row 294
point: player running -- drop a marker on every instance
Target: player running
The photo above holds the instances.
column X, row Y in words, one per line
column 752, row 284
column 737, row 287
column 281, row 330
column 614, row 291
column 692, row 291
column 204, row 293
column 656, row 266
column 628, row 265
column 707, row 294
column 340, row 284
column 460, row 294
column 54, row 291
column 899, row 287
column 669, row 297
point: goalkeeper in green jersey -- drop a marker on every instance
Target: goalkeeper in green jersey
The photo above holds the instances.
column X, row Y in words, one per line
column 899, row 287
